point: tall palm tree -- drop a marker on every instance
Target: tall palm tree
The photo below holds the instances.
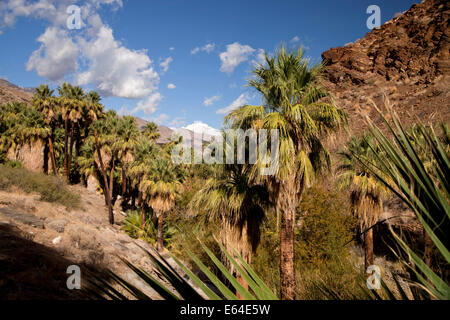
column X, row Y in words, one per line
column 160, row 185
column 72, row 102
column 145, row 152
column 103, row 141
column 240, row 208
column 303, row 113
column 128, row 134
column 366, row 191
column 45, row 102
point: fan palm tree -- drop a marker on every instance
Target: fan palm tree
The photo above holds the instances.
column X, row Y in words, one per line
column 144, row 153
column 151, row 131
column 366, row 191
column 240, row 208
column 103, row 141
column 72, row 102
column 303, row 113
column 160, row 185
column 44, row 102
column 128, row 134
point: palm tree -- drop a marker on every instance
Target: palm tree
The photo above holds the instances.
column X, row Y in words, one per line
column 151, row 131
column 144, row 153
column 45, row 102
column 72, row 104
column 128, row 134
column 366, row 191
column 160, row 185
column 239, row 207
column 296, row 106
column 103, row 141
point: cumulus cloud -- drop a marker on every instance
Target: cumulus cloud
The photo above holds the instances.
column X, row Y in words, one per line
column 209, row 101
column 171, row 86
column 239, row 102
column 56, row 57
column 203, row 128
column 93, row 56
column 165, row 64
column 235, row 54
column 208, row 48
column 116, row 70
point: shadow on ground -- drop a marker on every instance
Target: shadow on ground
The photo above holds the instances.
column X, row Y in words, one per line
column 31, row 271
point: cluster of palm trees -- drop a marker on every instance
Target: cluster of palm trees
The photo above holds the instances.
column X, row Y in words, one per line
column 83, row 141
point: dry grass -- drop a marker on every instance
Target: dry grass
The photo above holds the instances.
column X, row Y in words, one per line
column 51, row 189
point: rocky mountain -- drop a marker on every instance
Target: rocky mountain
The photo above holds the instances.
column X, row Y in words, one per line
column 406, row 60
column 12, row 93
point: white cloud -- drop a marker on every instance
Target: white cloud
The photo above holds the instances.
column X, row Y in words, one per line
column 148, row 105
column 56, row 57
column 116, row 70
column 235, row 54
column 295, row 39
column 209, row 101
column 208, row 48
column 172, row 48
column 201, row 127
column 92, row 56
column 171, row 86
column 239, row 102
column 165, row 64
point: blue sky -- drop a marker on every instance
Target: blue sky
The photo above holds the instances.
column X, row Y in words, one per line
column 132, row 50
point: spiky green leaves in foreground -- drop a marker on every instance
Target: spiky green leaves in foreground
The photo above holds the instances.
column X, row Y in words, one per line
column 424, row 190
column 174, row 286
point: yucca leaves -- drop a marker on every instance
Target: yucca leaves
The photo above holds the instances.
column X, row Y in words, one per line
column 174, row 286
column 425, row 192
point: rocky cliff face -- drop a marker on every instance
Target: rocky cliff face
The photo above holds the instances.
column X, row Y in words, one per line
column 406, row 60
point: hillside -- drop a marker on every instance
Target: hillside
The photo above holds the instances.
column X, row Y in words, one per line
column 39, row 240
column 407, row 60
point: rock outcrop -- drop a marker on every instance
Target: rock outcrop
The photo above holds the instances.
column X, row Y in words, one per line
column 406, row 60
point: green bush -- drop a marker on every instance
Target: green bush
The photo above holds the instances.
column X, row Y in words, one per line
column 132, row 225
column 51, row 189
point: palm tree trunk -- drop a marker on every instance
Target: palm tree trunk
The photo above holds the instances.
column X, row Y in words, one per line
column 368, row 248
column 111, row 179
column 52, row 155
column 69, row 163
column 66, row 146
column 160, row 232
column 105, row 180
column 287, row 267
column 124, row 182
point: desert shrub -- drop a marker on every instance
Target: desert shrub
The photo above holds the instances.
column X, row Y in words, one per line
column 324, row 232
column 51, row 189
